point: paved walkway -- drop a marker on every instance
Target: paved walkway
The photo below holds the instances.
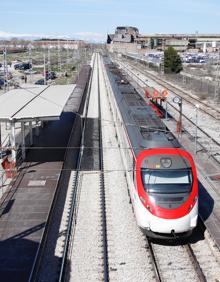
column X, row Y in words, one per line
column 24, row 209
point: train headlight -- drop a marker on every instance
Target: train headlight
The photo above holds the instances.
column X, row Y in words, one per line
column 152, row 199
column 143, row 200
column 166, row 162
column 195, row 199
column 149, row 208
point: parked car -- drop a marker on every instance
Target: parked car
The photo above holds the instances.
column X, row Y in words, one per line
column 50, row 75
column 17, row 66
column 2, row 154
column 22, row 66
column 2, row 82
column 40, row 82
column 29, row 71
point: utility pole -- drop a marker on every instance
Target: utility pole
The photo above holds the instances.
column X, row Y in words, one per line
column 197, row 33
column 178, row 100
column 67, row 50
column 59, row 56
column 196, row 129
column 45, row 79
column 5, row 64
column 217, row 78
column 162, row 64
column 48, row 60
column 30, row 60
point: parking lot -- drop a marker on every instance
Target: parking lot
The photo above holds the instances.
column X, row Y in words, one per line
column 59, row 68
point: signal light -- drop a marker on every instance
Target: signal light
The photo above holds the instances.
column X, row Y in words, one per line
column 166, row 162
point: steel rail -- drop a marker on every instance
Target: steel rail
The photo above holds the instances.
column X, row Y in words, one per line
column 102, row 187
column 71, row 219
column 195, row 263
column 154, row 261
column 183, row 94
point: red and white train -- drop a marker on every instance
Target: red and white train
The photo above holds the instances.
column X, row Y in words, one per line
column 162, row 178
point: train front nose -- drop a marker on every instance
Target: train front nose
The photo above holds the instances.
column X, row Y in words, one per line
column 168, row 190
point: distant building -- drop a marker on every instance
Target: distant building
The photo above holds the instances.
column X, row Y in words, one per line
column 181, row 42
column 126, row 34
column 54, row 43
column 128, row 39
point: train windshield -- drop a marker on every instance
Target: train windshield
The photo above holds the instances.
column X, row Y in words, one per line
column 167, row 181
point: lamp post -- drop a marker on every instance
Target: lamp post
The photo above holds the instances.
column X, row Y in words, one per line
column 196, row 124
column 178, row 100
column 45, row 75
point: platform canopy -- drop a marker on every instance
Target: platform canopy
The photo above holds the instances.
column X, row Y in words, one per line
column 34, row 102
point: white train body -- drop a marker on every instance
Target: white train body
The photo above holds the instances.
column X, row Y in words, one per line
column 141, row 149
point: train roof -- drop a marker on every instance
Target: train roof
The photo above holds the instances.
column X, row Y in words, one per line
column 144, row 127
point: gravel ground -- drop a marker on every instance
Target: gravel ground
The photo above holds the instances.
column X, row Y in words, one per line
column 208, row 259
column 93, row 102
column 86, row 259
column 64, row 220
column 128, row 258
column 174, row 263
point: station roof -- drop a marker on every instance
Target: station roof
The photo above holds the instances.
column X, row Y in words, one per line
column 34, row 102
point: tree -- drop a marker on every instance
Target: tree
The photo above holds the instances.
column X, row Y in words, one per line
column 172, row 61
column 152, row 43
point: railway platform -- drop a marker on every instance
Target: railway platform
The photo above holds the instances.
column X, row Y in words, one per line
column 26, row 205
column 208, row 170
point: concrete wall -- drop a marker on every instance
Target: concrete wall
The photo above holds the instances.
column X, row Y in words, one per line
column 125, row 47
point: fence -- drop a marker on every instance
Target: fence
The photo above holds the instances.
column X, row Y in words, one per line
column 198, row 80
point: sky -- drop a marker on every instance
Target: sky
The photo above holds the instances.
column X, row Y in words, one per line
column 93, row 19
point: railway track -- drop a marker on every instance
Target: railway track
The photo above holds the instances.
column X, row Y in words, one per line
column 181, row 260
column 74, row 198
column 89, row 245
column 126, row 246
column 102, row 189
column 208, row 109
column 97, row 179
column 204, row 136
column 64, row 210
column 174, row 262
column 178, row 262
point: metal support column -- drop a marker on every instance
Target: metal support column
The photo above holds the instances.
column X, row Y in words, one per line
column 196, row 129
column 0, row 135
column 23, row 139
column 166, row 110
column 37, row 128
column 13, row 141
column 31, row 133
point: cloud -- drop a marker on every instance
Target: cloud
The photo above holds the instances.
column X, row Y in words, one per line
column 90, row 36
column 92, row 1
column 87, row 36
column 8, row 35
